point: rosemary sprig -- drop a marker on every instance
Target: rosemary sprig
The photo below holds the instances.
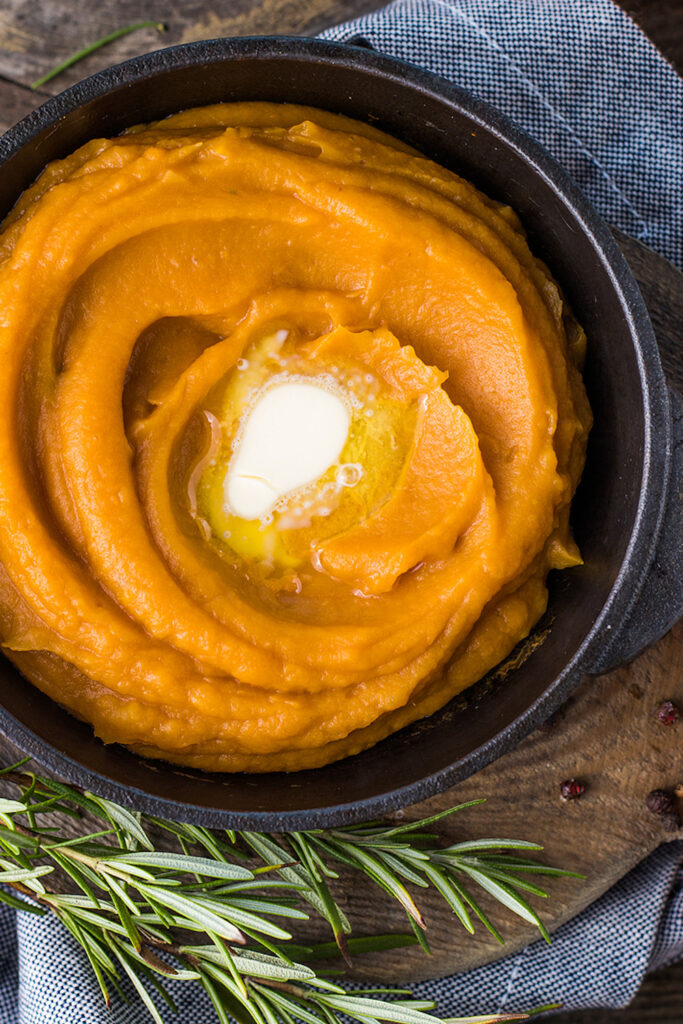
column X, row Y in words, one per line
column 134, row 909
column 395, row 855
column 93, row 47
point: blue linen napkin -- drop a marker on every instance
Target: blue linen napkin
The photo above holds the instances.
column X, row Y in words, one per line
column 577, row 75
column 581, row 78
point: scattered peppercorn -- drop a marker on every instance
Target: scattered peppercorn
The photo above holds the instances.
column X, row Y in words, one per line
column 671, row 822
column 659, row 802
column 571, row 789
column 668, row 713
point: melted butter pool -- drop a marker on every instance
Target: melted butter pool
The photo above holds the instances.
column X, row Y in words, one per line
column 293, row 433
column 300, row 449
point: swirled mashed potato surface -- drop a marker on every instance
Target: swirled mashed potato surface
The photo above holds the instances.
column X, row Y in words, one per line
column 156, row 290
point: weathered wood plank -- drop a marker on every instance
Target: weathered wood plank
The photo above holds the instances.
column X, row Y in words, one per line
column 16, row 101
column 35, row 37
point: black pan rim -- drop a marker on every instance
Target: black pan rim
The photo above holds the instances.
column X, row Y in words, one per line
column 655, row 457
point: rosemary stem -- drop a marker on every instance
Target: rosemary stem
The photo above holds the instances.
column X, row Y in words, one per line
column 93, row 47
column 44, row 901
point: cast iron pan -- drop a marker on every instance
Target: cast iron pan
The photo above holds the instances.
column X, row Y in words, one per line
column 630, row 590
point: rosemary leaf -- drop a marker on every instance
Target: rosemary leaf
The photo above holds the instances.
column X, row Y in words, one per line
column 176, row 862
column 140, row 988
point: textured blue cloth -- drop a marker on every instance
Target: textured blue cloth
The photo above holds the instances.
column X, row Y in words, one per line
column 585, row 82
column 577, row 75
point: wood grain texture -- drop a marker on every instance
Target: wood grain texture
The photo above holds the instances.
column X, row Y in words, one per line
column 607, row 734
column 35, row 37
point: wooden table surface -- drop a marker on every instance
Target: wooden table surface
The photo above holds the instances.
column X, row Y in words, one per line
column 33, row 37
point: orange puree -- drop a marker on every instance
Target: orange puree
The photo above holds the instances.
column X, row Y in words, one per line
column 153, row 288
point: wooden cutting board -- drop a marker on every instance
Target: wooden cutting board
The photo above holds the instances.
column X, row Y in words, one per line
column 607, row 734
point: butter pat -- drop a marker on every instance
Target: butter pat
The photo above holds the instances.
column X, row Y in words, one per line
column 294, row 432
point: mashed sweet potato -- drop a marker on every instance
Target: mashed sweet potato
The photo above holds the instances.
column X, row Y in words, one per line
column 150, row 286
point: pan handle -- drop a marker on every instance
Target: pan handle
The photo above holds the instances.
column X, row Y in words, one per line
column 660, row 602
